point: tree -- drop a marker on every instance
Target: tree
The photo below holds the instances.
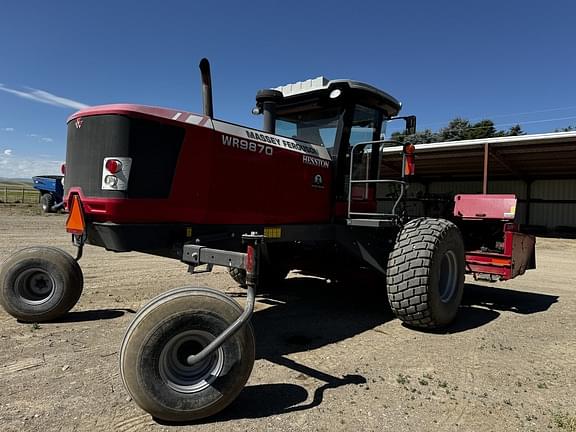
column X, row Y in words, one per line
column 422, row 137
column 516, row 130
column 458, row 129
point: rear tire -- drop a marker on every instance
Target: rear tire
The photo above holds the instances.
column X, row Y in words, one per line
column 47, row 201
column 164, row 333
column 40, row 284
column 425, row 276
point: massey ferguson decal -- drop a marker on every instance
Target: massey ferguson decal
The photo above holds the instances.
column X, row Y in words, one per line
column 262, row 143
column 282, row 142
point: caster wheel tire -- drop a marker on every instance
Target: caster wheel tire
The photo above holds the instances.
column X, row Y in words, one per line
column 164, row 333
column 40, row 284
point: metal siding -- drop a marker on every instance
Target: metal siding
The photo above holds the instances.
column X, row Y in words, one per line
column 546, row 214
column 516, row 187
column 553, row 215
column 463, row 187
column 521, row 213
column 554, row 189
column 384, row 189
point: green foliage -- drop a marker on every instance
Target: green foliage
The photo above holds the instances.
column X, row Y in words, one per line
column 457, row 130
column 566, row 129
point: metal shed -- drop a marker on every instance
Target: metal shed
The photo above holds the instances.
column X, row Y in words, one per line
column 540, row 169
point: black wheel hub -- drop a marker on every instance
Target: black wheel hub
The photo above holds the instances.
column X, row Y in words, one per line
column 35, row 286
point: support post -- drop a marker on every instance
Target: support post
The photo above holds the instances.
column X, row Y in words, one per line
column 485, row 176
column 528, row 200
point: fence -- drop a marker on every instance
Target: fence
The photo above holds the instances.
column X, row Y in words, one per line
column 19, row 195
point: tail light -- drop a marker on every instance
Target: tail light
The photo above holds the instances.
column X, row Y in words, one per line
column 63, row 169
column 113, row 166
column 115, row 173
column 409, row 160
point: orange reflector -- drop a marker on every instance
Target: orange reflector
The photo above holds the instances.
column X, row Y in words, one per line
column 500, row 261
column 75, row 223
column 409, row 165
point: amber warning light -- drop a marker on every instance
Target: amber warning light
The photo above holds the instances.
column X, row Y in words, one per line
column 75, row 223
column 409, row 160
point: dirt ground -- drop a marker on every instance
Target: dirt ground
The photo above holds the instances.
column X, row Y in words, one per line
column 327, row 359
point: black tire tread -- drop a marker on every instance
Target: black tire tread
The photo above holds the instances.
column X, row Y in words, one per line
column 47, row 201
column 409, row 270
column 155, row 313
column 63, row 260
column 239, row 275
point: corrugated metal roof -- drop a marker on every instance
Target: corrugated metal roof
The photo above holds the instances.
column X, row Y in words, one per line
column 539, row 156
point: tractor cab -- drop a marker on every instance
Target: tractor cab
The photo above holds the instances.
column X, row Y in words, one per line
column 348, row 118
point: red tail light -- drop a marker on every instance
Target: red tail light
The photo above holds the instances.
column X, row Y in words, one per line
column 113, row 166
column 250, row 259
column 63, row 169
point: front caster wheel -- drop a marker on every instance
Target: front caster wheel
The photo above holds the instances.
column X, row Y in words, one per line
column 40, row 284
column 155, row 349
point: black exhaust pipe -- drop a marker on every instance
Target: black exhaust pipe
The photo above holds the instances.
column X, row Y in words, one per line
column 206, row 88
column 267, row 100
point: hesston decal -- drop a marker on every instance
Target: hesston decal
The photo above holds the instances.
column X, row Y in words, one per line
column 308, row 160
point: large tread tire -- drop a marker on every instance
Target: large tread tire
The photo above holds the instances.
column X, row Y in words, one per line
column 270, row 277
column 239, row 276
column 425, row 275
column 40, row 284
column 164, row 333
column 46, row 202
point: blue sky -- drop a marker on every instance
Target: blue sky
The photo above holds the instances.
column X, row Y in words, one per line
column 442, row 59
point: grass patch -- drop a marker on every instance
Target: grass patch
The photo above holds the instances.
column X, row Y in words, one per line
column 565, row 422
column 402, row 379
column 11, row 194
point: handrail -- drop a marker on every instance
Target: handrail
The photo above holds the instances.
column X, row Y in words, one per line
column 403, row 184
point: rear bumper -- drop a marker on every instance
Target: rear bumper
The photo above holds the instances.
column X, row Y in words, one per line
column 518, row 256
column 164, row 239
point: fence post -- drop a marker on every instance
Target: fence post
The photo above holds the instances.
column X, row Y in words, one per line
column 5, row 194
column 22, row 196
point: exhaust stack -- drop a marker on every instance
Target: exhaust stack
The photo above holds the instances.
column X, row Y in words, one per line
column 207, row 106
column 266, row 101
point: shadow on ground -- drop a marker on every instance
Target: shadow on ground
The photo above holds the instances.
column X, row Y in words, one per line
column 503, row 299
column 483, row 304
column 91, row 315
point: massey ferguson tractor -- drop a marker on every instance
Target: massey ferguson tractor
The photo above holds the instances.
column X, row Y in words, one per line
column 300, row 194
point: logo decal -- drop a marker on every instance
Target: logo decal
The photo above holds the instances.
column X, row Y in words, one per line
column 318, row 181
column 79, row 122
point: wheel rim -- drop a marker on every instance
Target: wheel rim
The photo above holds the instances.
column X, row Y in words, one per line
column 178, row 374
column 35, row 286
column 448, row 277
